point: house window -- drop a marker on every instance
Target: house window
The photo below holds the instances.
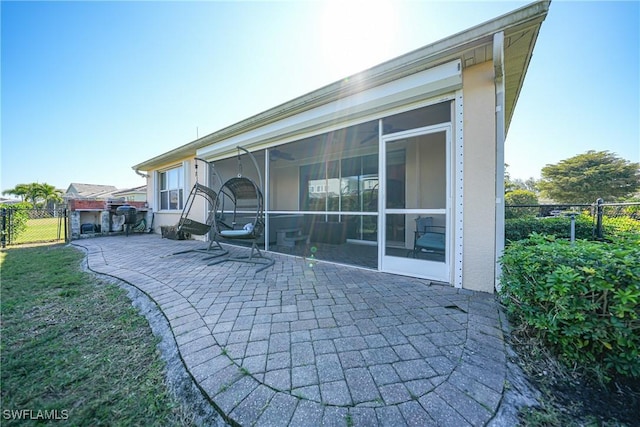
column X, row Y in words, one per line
column 171, row 189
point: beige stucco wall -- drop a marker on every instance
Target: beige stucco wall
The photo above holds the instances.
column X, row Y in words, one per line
column 479, row 178
column 172, row 217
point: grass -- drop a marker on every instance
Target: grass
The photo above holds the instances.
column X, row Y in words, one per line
column 74, row 345
column 41, row 230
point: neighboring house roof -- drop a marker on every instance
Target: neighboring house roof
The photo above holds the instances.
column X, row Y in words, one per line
column 137, row 190
column 471, row 47
column 90, row 191
column 5, row 201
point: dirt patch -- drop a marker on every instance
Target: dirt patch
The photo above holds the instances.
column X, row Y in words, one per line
column 568, row 395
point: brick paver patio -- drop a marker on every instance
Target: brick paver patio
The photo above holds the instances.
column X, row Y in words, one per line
column 308, row 344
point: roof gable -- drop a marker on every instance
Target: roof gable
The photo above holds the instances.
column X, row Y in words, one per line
column 89, row 190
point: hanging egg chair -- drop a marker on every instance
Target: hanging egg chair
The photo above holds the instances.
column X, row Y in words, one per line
column 239, row 214
column 203, row 197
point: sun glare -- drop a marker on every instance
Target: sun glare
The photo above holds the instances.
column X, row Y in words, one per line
column 356, row 35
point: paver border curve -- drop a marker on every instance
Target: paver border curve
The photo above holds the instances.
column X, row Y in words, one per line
column 460, row 387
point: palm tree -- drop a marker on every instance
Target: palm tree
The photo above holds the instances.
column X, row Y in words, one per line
column 20, row 190
column 35, row 192
column 48, row 193
column 27, row 192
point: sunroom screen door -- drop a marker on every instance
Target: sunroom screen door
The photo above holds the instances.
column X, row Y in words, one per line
column 415, row 205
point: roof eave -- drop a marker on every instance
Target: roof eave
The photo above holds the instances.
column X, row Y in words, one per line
column 530, row 16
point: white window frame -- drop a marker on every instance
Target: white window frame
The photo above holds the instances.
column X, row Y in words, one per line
column 180, row 187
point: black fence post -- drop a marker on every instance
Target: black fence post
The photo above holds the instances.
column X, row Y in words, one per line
column 65, row 219
column 599, row 210
column 4, row 228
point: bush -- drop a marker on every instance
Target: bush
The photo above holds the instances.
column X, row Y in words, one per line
column 522, row 228
column 616, row 226
column 583, row 300
column 520, row 197
column 560, row 227
column 19, row 218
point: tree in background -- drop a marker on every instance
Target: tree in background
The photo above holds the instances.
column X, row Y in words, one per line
column 35, row 193
column 20, row 190
column 530, row 184
column 48, row 193
column 586, row 177
column 519, row 198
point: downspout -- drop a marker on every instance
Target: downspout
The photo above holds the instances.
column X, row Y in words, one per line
column 498, row 66
column 144, row 175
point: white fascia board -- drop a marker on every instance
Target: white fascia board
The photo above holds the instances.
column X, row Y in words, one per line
column 422, row 85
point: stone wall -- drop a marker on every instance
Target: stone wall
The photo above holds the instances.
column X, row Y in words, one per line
column 95, row 217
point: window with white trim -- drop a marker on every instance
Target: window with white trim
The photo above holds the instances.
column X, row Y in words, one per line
column 171, row 188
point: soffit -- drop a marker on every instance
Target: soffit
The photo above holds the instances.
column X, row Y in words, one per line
column 518, row 50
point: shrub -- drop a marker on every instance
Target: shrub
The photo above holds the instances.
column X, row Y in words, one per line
column 19, row 218
column 583, row 300
column 520, row 197
column 616, row 226
column 522, row 228
column 560, row 227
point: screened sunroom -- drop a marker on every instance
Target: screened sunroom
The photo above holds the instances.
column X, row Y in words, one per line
column 398, row 168
column 329, row 196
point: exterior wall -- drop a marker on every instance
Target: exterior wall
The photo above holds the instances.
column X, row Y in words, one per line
column 479, row 177
column 150, row 199
column 134, row 197
column 163, row 218
column 479, row 181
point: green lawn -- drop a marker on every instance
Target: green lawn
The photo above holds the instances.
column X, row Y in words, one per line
column 74, row 347
column 41, row 230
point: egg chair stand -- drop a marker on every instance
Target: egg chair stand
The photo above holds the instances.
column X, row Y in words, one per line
column 240, row 215
column 187, row 223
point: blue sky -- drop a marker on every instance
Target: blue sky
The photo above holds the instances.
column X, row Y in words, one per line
column 91, row 88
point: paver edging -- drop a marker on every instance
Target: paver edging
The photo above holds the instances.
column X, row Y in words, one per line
column 197, row 384
column 193, row 339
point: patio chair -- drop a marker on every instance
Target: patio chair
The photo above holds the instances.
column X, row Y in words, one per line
column 239, row 215
column 428, row 238
column 187, row 222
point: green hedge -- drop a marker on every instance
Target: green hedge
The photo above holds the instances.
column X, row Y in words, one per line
column 19, row 218
column 583, row 300
column 520, row 197
column 522, row 228
column 617, row 226
column 560, row 227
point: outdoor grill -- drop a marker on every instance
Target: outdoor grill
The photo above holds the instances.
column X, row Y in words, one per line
column 130, row 214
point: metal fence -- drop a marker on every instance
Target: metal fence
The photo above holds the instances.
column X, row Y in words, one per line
column 21, row 226
column 598, row 211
